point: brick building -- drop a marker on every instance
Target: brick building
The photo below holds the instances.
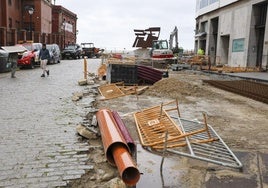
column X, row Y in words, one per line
column 64, row 24
column 37, row 21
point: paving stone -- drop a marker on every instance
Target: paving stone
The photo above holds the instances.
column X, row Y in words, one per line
column 34, row 175
column 231, row 182
column 263, row 167
column 86, row 167
column 58, row 173
column 50, row 178
column 57, row 184
column 71, row 177
column 39, row 144
column 68, row 160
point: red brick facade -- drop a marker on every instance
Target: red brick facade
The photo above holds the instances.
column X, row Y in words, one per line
column 45, row 25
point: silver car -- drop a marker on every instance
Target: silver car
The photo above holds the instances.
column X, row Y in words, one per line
column 55, row 53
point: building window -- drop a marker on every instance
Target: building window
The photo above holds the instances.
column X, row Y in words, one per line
column 213, row 1
column 204, row 26
column 18, row 5
column 205, row 3
column 17, row 24
column 10, row 22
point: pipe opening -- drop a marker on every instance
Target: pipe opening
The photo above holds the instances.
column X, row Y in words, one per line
column 131, row 176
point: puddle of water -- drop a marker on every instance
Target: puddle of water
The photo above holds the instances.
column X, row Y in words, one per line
column 149, row 165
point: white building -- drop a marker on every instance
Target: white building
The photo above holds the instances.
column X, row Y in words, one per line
column 233, row 32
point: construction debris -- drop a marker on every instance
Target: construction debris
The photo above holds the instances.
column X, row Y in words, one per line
column 82, row 82
column 85, row 132
column 110, row 91
column 116, row 149
column 77, row 96
column 202, row 142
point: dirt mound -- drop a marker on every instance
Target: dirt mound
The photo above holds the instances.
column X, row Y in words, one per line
column 175, row 88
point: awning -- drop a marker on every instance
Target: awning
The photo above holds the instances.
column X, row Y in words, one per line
column 201, row 34
column 14, row 49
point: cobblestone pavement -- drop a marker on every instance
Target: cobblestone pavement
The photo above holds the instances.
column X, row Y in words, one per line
column 38, row 141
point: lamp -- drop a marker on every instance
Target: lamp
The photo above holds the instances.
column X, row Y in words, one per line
column 31, row 11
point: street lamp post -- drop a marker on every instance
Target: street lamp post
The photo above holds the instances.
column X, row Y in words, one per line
column 76, row 35
column 63, row 27
column 31, row 11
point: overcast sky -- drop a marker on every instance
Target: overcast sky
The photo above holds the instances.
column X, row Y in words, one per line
column 110, row 24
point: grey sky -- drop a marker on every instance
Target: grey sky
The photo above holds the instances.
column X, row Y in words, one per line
column 110, row 23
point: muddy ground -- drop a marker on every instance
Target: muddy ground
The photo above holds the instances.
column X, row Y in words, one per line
column 241, row 122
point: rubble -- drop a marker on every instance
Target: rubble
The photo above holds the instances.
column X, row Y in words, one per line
column 229, row 112
column 82, row 82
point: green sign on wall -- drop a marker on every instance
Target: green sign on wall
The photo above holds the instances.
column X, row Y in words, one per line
column 238, row 45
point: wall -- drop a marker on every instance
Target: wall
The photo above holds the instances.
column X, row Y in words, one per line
column 265, row 48
column 41, row 23
column 13, row 12
column 211, row 6
column 239, row 33
column 225, row 21
column 236, row 42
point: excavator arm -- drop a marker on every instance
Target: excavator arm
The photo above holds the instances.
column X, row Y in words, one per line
column 174, row 35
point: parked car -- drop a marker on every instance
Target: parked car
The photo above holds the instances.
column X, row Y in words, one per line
column 71, row 51
column 5, row 66
column 30, row 58
column 26, row 59
column 5, row 51
column 55, row 54
column 90, row 51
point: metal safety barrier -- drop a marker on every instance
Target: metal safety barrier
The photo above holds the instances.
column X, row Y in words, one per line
column 216, row 152
column 160, row 128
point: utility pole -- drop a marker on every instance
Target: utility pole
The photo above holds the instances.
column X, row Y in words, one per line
column 31, row 11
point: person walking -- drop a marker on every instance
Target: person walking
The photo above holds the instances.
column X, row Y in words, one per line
column 44, row 56
column 13, row 59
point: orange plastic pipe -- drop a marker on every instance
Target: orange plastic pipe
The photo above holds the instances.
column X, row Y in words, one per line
column 116, row 149
column 125, row 165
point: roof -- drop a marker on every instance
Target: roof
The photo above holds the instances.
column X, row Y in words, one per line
column 13, row 49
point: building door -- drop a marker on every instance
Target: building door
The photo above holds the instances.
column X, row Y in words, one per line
column 213, row 40
column 260, row 16
column 260, row 43
column 225, row 41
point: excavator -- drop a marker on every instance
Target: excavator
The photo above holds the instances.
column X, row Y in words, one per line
column 163, row 51
column 160, row 50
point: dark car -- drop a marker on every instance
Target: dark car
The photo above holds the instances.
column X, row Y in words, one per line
column 5, row 66
column 55, row 54
column 71, row 51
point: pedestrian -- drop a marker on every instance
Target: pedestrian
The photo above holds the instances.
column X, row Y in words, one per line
column 44, row 56
column 13, row 59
